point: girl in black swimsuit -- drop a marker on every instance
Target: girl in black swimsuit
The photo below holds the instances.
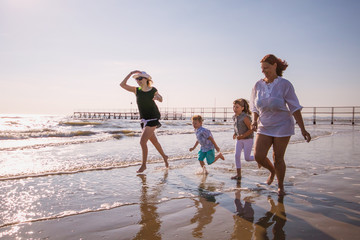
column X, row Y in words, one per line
column 149, row 112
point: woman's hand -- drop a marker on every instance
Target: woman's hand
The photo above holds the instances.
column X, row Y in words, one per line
column 234, row 136
column 254, row 126
column 157, row 97
column 306, row 135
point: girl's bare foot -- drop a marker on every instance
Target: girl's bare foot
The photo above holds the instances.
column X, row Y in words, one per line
column 141, row 169
column 281, row 192
column 166, row 161
column 236, row 177
column 270, row 178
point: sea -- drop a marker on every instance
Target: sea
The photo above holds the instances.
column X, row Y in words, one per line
column 56, row 166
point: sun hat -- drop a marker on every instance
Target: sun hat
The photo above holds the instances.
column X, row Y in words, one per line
column 142, row 74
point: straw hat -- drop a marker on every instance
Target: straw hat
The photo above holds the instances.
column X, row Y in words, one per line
column 142, row 74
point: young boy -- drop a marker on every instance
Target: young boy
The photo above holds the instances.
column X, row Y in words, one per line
column 207, row 143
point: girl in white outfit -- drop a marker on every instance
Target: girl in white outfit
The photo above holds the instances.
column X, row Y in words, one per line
column 242, row 133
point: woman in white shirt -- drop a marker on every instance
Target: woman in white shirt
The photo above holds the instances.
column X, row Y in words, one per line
column 274, row 105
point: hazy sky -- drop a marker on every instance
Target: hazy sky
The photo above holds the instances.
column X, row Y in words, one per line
column 57, row 56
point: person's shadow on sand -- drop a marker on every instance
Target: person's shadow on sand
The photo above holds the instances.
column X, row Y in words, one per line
column 150, row 220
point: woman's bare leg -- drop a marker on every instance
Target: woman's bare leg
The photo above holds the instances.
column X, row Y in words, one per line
column 147, row 133
column 262, row 146
column 279, row 147
column 158, row 147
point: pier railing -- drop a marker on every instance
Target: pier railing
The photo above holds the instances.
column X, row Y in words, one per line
column 311, row 115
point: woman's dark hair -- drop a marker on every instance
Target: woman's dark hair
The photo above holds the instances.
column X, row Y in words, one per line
column 244, row 103
column 281, row 64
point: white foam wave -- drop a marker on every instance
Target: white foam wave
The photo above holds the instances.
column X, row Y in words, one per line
column 38, row 146
column 103, row 207
column 42, row 133
column 80, row 123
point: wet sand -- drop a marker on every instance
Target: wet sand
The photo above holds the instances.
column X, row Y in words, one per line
column 323, row 204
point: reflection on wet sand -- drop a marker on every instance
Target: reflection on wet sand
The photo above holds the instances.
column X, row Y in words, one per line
column 205, row 207
column 244, row 218
column 150, row 221
column 206, row 204
column 244, row 226
column 276, row 217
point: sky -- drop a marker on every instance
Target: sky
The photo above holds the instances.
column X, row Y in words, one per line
column 61, row 56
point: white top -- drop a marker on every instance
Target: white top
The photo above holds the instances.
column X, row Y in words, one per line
column 275, row 103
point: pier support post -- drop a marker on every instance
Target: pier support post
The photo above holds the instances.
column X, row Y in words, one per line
column 314, row 116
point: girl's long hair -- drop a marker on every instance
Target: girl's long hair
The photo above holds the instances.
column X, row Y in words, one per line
column 244, row 103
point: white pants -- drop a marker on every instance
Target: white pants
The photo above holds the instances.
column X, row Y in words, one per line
column 247, row 145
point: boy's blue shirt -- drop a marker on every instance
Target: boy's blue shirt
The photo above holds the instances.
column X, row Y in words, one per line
column 202, row 135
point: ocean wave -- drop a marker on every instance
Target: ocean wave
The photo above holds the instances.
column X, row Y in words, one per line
column 118, row 134
column 103, row 207
column 83, row 123
column 315, row 134
column 218, row 123
column 74, row 170
column 68, row 213
column 161, row 132
column 99, row 166
column 15, row 117
column 123, row 132
column 41, row 133
column 103, row 165
column 38, row 146
column 11, row 123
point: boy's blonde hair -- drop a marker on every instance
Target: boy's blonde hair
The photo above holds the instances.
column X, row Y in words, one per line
column 197, row 118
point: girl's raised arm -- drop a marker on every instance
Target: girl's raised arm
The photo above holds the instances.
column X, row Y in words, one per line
column 124, row 84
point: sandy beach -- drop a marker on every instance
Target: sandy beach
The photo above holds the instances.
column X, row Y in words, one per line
column 323, row 204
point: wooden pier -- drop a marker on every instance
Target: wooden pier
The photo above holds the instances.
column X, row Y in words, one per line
column 105, row 115
column 341, row 115
column 314, row 115
column 123, row 115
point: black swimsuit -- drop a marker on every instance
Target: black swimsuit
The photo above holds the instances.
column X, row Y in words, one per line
column 149, row 112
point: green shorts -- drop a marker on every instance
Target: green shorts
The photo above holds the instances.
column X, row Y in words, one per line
column 209, row 155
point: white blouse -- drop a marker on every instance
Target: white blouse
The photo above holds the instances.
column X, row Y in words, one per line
column 275, row 103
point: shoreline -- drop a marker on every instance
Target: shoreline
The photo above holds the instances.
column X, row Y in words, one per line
column 309, row 212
